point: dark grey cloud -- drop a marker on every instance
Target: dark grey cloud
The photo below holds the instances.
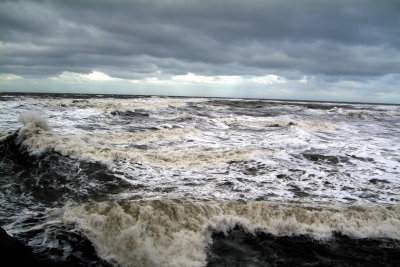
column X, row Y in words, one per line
column 351, row 38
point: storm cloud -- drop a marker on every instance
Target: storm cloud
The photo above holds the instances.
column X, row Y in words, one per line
column 352, row 40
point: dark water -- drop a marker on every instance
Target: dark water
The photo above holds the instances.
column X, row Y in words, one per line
column 241, row 248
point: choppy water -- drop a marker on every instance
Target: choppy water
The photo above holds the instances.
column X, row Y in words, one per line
column 158, row 181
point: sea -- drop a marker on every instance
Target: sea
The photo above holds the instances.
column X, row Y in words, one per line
column 108, row 180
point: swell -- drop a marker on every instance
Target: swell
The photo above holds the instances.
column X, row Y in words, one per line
column 180, row 232
column 51, row 178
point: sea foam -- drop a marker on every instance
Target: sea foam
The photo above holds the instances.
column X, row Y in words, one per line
column 178, row 232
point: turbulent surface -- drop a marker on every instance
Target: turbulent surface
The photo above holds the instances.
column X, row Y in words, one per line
column 191, row 181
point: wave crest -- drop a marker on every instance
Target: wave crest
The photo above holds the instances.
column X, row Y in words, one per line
column 178, row 232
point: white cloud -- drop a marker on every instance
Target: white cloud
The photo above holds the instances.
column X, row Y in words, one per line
column 150, row 81
column 98, row 76
column 201, row 79
column 268, row 79
column 304, row 80
column 10, row 77
column 229, row 79
column 193, row 78
column 381, row 90
column 67, row 76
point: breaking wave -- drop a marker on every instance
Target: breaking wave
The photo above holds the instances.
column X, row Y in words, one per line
column 34, row 119
column 178, row 232
column 37, row 139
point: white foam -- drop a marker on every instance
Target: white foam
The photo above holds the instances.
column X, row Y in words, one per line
column 306, row 124
column 194, row 157
column 199, row 159
column 177, row 232
column 178, row 116
column 121, row 146
column 211, row 107
column 110, row 104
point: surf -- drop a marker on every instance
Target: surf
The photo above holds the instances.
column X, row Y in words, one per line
column 179, row 232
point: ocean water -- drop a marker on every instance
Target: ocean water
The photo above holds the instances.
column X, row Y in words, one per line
column 160, row 181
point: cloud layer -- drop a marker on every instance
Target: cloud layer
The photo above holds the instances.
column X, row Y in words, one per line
column 329, row 41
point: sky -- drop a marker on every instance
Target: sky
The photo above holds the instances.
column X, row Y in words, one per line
column 342, row 50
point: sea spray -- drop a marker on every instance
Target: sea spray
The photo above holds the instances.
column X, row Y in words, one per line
column 34, row 119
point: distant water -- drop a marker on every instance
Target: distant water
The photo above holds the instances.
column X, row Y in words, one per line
column 159, row 181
